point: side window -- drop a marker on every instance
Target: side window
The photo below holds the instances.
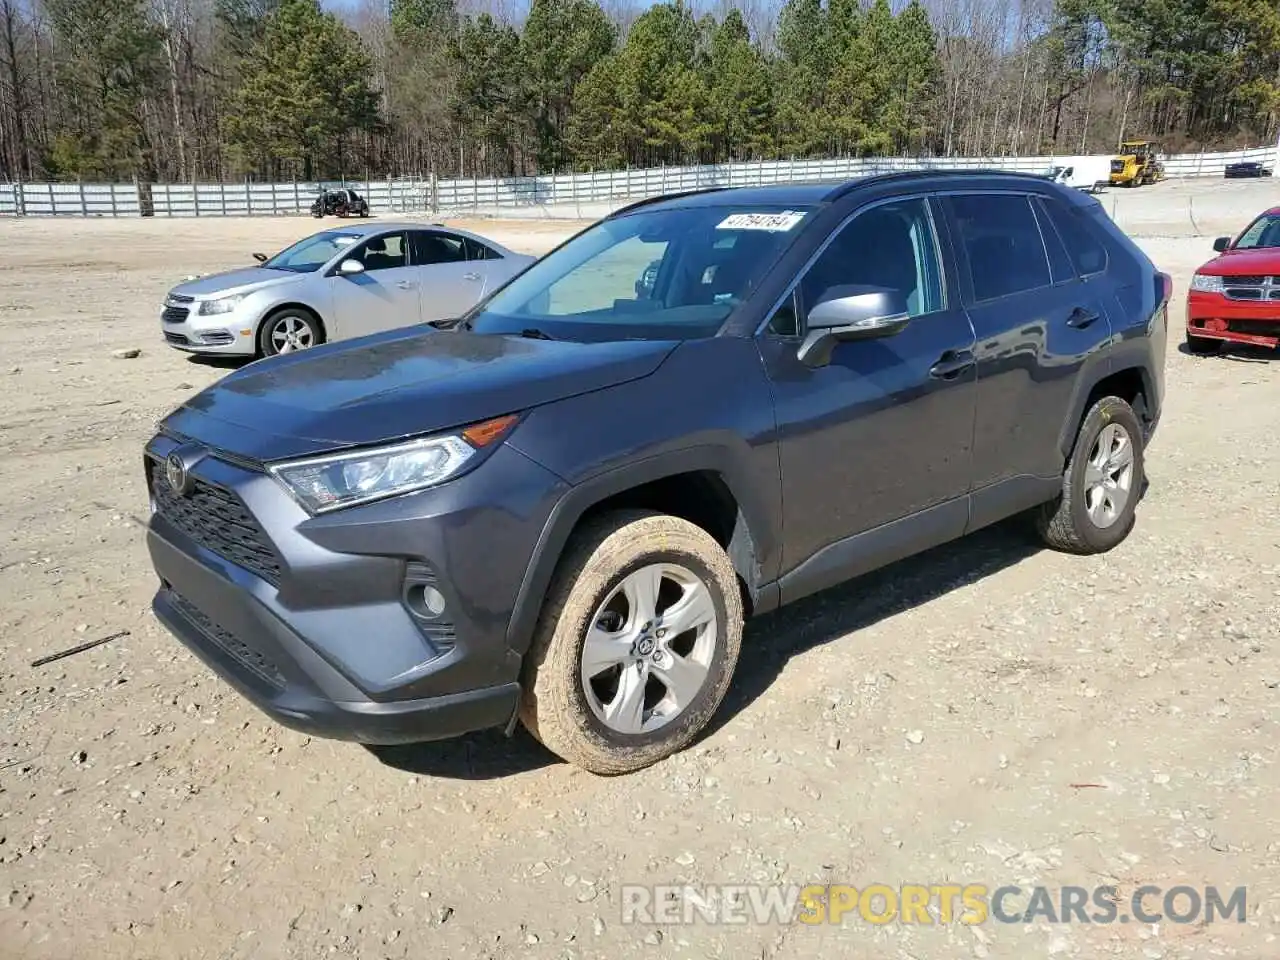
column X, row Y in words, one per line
column 479, row 251
column 891, row 245
column 433, row 248
column 1002, row 241
column 1086, row 250
column 385, row 252
column 1060, row 265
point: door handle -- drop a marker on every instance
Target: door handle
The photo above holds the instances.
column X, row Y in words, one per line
column 1081, row 318
column 471, row 276
column 406, row 284
column 951, row 364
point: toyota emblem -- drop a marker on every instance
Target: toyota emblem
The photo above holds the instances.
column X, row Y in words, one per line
column 175, row 472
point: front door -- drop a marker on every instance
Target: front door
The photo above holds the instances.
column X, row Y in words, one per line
column 883, row 431
column 384, row 296
column 450, row 283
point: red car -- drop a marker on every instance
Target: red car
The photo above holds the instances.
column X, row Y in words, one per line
column 1235, row 297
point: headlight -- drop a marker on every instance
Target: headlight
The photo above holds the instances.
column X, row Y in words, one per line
column 1206, row 283
column 339, row 480
column 221, row 305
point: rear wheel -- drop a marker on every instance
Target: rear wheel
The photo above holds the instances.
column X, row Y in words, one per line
column 636, row 644
column 1101, row 484
column 288, row 331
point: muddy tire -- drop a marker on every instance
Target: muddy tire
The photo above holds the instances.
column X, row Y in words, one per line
column 1101, row 484
column 636, row 643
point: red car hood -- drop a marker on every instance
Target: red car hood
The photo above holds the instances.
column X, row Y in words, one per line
column 1238, row 263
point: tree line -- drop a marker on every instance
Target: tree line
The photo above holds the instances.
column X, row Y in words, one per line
column 179, row 90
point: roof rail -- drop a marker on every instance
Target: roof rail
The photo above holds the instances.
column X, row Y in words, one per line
column 660, row 197
column 922, row 172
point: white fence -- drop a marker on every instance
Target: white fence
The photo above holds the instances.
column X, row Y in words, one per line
column 568, row 192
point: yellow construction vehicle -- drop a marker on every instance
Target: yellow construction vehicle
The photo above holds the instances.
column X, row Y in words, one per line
column 1136, row 164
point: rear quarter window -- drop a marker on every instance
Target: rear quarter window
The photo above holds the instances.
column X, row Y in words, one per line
column 1084, row 246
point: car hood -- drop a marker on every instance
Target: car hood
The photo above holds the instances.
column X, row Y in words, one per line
column 406, row 382
column 235, row 281
column 1237, row 263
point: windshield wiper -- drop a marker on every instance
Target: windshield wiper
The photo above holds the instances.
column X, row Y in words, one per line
column 533, row 333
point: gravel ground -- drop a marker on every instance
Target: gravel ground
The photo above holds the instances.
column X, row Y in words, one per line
column 987, row 713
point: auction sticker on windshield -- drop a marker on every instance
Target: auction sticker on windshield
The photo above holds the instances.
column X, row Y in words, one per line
column 773, row 222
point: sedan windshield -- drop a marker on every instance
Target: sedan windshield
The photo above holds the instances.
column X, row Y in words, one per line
column 652, row 275
column 1263, row 232
column 309, row 255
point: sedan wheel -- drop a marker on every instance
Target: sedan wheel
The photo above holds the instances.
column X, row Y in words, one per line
column 288, row 332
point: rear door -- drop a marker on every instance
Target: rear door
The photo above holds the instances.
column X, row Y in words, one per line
column 450, row 283
column 1037, row 324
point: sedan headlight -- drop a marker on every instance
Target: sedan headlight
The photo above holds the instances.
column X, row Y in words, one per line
column 322, row 484
column 221, row 305
column 1206, row 283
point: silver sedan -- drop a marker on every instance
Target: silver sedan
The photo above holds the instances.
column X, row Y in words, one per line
column 339, row 283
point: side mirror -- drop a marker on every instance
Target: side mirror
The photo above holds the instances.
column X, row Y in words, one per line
column 260, row 257
column 855, row 312
column 1221, row 244
column 351, row 267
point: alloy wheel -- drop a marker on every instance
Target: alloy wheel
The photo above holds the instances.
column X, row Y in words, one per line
column 649, row 650
column 1108, row 477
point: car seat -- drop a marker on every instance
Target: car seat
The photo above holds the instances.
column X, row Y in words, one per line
column 376, row 256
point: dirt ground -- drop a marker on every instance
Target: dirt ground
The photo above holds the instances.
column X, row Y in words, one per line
column 987, row 713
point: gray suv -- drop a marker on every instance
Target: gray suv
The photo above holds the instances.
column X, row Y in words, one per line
column 560, row 507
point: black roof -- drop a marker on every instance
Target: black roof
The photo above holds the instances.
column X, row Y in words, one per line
column 812, row 193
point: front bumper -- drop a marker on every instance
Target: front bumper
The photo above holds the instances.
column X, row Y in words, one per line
column 1214, row 316
column 312, row 618
column 228, row 334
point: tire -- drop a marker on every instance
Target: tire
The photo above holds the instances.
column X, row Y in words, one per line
column 306, row 327
column 562, row 709
column 1066, row 522
column 1202, row 346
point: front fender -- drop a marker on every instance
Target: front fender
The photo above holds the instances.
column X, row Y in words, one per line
column 571, row 507
column 707, row 408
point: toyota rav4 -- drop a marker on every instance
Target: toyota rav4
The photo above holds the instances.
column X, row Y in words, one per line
column 560, row 507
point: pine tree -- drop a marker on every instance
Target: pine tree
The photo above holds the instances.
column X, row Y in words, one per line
column 306, row 88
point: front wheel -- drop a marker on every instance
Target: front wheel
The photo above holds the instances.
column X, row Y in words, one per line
column 636, row 644
column 1101, row 484
column 288, row 331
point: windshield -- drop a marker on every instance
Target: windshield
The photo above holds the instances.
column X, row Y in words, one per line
column 309, row 255
column 1263, row 232
column 651, row 275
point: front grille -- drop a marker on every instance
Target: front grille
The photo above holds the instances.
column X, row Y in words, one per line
column 216, row 519
column 1251, row 288
column 252, row 660
column 172, row 337
column 174, row 314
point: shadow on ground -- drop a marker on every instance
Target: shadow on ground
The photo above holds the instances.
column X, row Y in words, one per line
column 218, row 361
column 1239, row 352
column 770, row 642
